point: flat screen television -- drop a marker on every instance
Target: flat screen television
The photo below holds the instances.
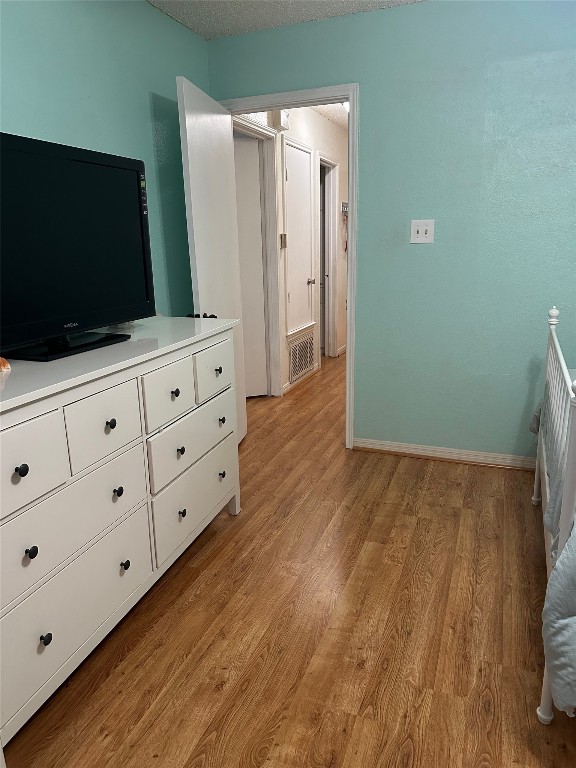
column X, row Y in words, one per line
column 74, row 248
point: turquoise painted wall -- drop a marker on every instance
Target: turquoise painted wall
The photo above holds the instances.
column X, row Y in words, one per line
column 102, row 75
column 467, row 116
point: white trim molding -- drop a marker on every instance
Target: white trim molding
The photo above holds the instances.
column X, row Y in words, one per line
column 331, row 195
column 249, row 128
column 451, row 454
column 310, row 98
column 271, row 264
column 304, row 330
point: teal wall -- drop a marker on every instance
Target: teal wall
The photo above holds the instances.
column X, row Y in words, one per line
column 467, row 116
column 102, row 75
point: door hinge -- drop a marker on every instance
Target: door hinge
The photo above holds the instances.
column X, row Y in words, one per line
column 283, row 240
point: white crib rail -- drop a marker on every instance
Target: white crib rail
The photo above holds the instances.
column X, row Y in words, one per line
column 557, row 398
column 558, row 439
column 568, row 511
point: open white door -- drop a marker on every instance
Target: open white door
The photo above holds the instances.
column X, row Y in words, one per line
column 248, row 202
column 210, row 193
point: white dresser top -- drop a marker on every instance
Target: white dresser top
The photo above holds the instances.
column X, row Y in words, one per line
column 30, row 381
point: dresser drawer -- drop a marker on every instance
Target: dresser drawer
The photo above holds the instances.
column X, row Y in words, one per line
column 69, row 608
column 102, row 423
column 168, row 392
column 55, row 528
column 196, row 433
column 214, row 370
column 34, row 458
column 180, row 507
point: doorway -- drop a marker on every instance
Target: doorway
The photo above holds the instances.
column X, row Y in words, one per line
column 312, row 152
column 345, row 225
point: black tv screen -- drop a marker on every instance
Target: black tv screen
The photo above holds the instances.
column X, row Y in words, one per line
column 75, row 250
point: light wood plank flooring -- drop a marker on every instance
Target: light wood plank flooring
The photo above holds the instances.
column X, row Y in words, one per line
column 364, row 610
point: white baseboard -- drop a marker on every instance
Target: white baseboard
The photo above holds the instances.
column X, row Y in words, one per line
column 430, row 451
column 341, row 350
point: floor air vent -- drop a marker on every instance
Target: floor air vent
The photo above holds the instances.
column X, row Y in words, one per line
column 301, row 356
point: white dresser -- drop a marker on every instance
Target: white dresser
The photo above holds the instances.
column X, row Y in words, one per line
column 112, row 462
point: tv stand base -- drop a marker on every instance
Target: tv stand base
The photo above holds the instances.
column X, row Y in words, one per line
column 64, row 346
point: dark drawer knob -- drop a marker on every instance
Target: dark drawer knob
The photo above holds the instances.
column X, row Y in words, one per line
column 125, row 565
column 32, row 552
column 22, row 470
column 222, row 474
column 119, row 491
column 218, row 370
column 46, row 639
column 111, row 424
column 181, row 451
column 222, row 419
column 175, row 392
column 182, row 513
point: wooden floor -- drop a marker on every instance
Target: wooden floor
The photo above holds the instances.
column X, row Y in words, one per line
column 363, row 610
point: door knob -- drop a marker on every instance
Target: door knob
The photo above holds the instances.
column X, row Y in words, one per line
column 111, row 424
column 125, row 565
column 46, row 639
column 22, row 470
column 175, row 392
column 182, row 513
column 181, row 451
column 218, row 370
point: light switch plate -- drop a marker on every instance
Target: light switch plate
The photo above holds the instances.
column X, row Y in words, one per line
column 422, row 231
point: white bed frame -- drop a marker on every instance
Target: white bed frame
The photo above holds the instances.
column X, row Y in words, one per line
column 557, row 431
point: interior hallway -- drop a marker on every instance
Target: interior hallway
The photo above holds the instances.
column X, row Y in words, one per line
column 363, row 610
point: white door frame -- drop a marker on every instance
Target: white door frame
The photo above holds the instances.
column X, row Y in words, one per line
column 332, row 193
column 310, row 98
column 270, row 245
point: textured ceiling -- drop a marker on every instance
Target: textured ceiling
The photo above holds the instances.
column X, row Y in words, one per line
column 222, row 18
column 336, row 113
